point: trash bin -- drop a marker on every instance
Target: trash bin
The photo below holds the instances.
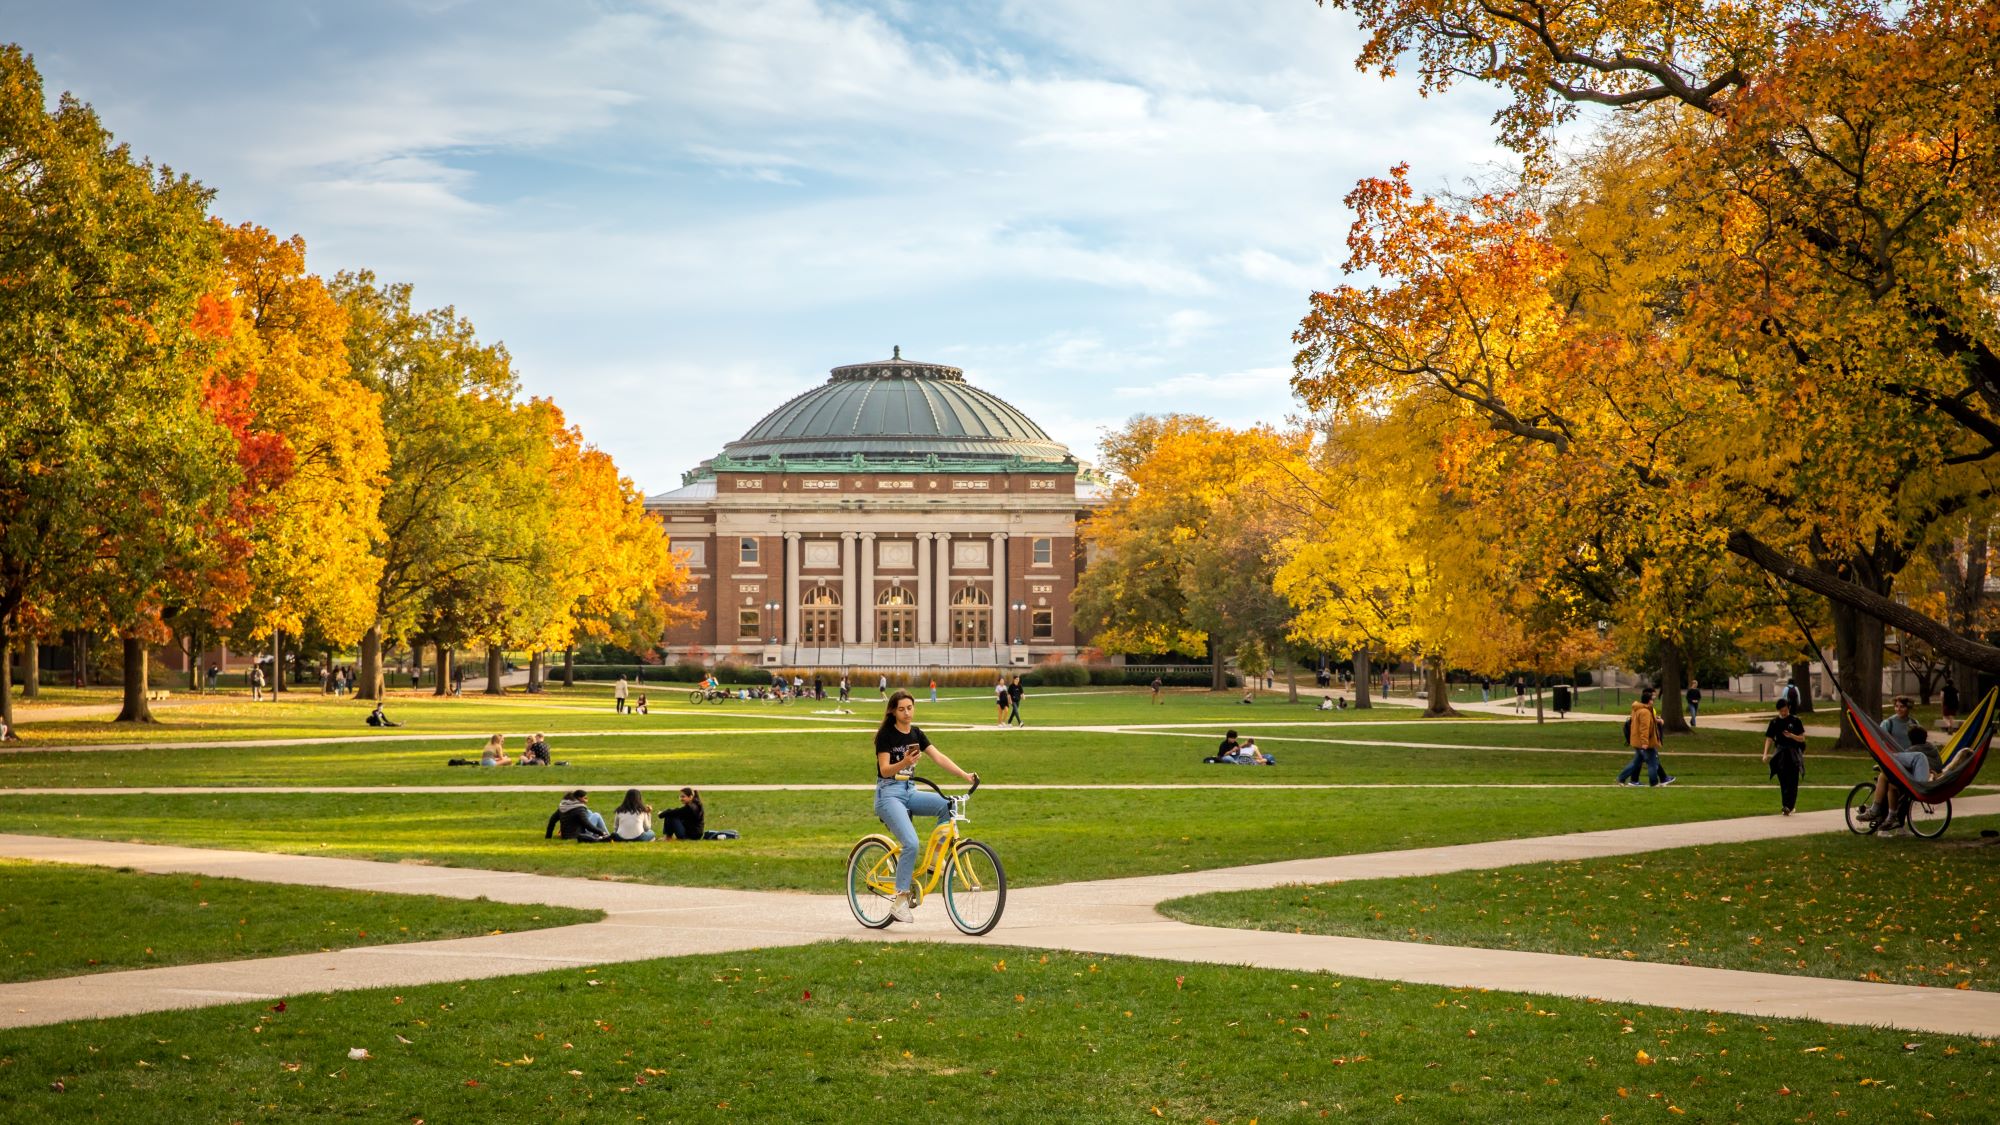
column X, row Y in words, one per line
column 1562, row 697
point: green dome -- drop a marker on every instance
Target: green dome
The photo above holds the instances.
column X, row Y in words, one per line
column 896, row 409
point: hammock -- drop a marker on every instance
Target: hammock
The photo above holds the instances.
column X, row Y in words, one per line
column 1963, row 755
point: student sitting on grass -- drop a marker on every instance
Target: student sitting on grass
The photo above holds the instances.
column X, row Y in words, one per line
column 685, row 822
column 577, row 820
column 639, row 708
column 1326, row 703
column 494, row 753
column 632, row 823
column 377, row 719
column 537, row 753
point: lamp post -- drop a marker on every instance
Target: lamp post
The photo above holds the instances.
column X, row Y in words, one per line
column 1019, row 608
column 771, row 620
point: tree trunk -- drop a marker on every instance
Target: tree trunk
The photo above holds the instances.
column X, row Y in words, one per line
column 136, row 709
column 7, row 673
column 1218, row 677
column 1673, row 688
column 1363, row 672
column 1437, row 693
column 496, row 665
column 193, row 642
column 569, row 667
column 31, row 676
column 538, row 670
column 443, row 664
column 277, row 663
column 80, row 674
column 1802, row 679
column 416, row 661
column 369, row 685
column 1857, row 643
column 1292, row 678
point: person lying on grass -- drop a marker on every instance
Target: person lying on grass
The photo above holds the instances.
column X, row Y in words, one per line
column 577, row 820
column 1248, row 754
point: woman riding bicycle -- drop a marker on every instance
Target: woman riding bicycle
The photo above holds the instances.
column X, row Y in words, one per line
column 898, row 745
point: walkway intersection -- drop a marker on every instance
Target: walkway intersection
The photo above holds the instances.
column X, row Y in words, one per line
column 1115, row 916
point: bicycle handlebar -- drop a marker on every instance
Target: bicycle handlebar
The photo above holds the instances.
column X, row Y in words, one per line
column 934, row 788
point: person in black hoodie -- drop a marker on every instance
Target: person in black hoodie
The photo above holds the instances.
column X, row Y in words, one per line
column 577, row 820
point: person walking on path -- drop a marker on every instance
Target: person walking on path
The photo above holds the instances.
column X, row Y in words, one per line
column 257, row 684
column 899, row 744
column 1000, row 702
column 618, row 693
column 933, row 689
column 882, row 685
column 1642, row 734
column 1485, row 689
column 843, row 688
column 1694, row 703
column 1014, row 704
column 1785, row 753
column 1157, row 685
column 1521, row 694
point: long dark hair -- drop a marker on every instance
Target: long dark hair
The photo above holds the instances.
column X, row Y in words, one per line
column 694, row 801
column 889, row 715
column 634, row 802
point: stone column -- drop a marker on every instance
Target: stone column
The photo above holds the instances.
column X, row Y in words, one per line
column 943, row 593
column 850, row 617
column 925, row 595
column 791, row 588
column 1003, row 618
column 865, row 602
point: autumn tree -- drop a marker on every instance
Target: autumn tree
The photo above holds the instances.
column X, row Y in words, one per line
column 1186, row 548
column 113, row 464
column 1828, row 287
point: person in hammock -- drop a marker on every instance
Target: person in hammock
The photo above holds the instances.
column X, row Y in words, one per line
column 1918, row 762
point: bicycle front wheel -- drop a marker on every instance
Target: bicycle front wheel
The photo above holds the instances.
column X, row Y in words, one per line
column 696, row 696
column 1930, row 820
column 871, row 881
column 975, row 889
column 1858, row 798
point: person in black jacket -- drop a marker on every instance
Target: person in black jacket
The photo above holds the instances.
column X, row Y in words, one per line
column 684, row 823
column 1014, row 704
column 577, row 820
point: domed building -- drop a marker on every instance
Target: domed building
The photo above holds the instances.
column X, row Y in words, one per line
column 894, row 515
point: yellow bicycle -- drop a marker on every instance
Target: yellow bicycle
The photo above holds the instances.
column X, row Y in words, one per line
column 975, row 885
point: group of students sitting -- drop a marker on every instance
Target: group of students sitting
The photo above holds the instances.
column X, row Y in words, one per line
column 631, row 822
column 1245, row 753
column 494, row 753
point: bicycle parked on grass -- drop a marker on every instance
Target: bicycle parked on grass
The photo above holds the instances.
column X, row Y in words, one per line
column 974, row 883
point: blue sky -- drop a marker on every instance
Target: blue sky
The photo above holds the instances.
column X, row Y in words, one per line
column 679, row 214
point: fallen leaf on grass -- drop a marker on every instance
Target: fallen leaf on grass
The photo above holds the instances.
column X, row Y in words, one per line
column 358, row 1053
column 1643, row 1059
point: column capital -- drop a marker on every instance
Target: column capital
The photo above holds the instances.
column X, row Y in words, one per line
column 923, row 535
column 792, row 535
column 942, row 534
column 848, row 536
column 999, row 535
column 866, row 534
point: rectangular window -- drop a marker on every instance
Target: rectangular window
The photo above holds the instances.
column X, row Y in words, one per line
column 1044, row 552
column 697, row 551
column 746, row 551
column 749, row 624
column 1044, row 625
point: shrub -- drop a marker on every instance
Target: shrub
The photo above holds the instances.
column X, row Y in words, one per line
column 1058, row 675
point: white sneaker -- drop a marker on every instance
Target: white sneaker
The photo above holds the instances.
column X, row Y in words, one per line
column 899, row 908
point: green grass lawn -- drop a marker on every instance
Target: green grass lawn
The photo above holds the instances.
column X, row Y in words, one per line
column 58, row 920
column 1892, row 909
column 799, row 840
column 841, row 1032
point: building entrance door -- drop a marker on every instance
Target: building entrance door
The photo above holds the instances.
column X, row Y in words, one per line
column 896, row 617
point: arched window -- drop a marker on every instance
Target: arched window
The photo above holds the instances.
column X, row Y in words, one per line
column 896, row 595
column 971, row 616
column 819, row 617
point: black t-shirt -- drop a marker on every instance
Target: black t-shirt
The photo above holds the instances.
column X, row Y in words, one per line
column 1782, row 725
column 901, row 748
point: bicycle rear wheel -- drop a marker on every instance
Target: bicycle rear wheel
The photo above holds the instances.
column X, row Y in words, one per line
column 871, row 881
column 975, row 889
column 1858, row 798
column 1929, row 820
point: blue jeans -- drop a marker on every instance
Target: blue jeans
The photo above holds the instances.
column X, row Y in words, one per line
column 1648, row 757
column 895, row 803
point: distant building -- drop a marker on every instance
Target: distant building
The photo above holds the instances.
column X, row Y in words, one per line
column 894, row 515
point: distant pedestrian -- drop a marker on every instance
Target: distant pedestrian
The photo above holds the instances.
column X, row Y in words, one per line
column 1948, row 716
column 1785, row 753
column 1014, row 703
column 1157, row 685
column 1694, row 703
column 257, row 683
column 1485, row 689
column 933, row 690
column 619, row 692
column 1521, row 694
column 882, row 685
column 1000, row 702
column 843, row 687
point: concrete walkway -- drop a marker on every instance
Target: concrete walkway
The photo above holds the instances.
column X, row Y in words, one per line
column 1114, row 916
